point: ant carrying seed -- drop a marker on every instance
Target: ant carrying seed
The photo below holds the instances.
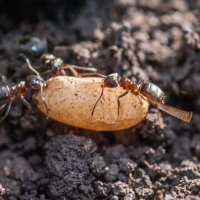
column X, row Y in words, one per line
column 71, row 99
column 8, row 94
column 146, row 90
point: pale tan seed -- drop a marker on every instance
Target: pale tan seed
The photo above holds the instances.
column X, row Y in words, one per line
column 70, row 100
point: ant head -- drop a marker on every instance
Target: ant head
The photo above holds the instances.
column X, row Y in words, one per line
column 111, row 80
column 35, row 82
column 52, row 62
column 47, row 58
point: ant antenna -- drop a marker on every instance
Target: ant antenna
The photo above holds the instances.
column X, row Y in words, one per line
column 29, row 64
column 97, row 100
column 43, row 99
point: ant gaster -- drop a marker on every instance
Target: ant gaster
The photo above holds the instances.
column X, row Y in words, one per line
column 149, row 91
column 8, row 94
column 33, row 46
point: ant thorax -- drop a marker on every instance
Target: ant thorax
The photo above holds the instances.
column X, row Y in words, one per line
column 153, row 92
column 19, row 89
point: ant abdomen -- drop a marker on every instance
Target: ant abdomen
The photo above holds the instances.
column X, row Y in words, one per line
column 4, row 92
column 153, row 92
column 33, row 46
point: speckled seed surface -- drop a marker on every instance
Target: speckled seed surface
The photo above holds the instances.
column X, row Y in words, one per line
column 70, row 100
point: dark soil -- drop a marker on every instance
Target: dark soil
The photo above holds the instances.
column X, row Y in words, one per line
column 158, row 40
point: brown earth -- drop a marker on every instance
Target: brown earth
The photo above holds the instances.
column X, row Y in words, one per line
column 157, row 40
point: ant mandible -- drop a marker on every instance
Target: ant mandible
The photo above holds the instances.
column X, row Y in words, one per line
column 8, row 94
column 149, row 91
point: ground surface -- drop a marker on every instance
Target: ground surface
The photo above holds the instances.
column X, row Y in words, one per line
column 160, row 41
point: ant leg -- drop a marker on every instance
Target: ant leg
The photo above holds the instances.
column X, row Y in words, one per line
column 7, row 111
column 91, row 71
column 43, row 99
column 46, row 72
column 2, row 106
column 98, row 100
column 26, row 103
column 118, row 100
column 74, row 67
column 71, row 69
column 92, row 74
column 29, row 64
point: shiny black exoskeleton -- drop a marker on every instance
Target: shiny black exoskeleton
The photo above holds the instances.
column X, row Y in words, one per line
column 33, row 46
column 52, row 62
column 8, row 94
column 34, row 82
column 4, row 92
column 153, row 92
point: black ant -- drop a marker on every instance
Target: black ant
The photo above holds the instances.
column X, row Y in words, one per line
column 35, row 46
column 149, row 91
column 56, row 66
column 8, row 94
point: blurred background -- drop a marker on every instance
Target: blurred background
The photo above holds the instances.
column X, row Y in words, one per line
column 157, row 40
